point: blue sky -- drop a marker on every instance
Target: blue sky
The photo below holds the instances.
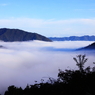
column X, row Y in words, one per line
column 49, row 17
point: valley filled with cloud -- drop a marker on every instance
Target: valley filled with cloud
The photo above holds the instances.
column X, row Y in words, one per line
column 23, row 63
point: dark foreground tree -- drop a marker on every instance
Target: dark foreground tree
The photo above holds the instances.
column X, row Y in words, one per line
column 12, row 90
column 80, row 61
column 69, row 82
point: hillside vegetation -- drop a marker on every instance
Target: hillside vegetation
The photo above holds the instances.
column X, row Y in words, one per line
column 69, row 82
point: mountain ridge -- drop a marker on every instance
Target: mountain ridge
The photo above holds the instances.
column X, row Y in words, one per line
column 10, row 35
column 89, row 47
column 74, row 38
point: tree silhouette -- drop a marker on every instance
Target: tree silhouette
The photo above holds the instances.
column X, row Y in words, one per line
column 69, row 82
column 80, row 60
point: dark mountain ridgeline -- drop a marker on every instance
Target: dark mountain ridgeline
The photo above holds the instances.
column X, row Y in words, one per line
column 10, row 35
column 73, row 38
column 89, row 47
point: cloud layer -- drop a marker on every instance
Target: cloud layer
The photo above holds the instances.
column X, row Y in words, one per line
column 52, row 27
column 22, row 63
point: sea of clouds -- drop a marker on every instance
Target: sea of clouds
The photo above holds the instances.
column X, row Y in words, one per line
column 23, row 63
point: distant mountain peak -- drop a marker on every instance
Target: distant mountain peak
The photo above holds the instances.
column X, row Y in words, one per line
column 11, row 35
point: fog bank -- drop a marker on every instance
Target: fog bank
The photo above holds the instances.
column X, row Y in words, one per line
column 23, row 63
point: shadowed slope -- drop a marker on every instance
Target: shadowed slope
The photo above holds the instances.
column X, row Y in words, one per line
column 89, row 47
column 19, row 35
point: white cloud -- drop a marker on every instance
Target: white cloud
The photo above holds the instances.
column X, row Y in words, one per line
column 3, row 4
column 52, row 27
column 24, row 62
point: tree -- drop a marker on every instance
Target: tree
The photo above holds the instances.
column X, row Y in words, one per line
column 80, row 60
